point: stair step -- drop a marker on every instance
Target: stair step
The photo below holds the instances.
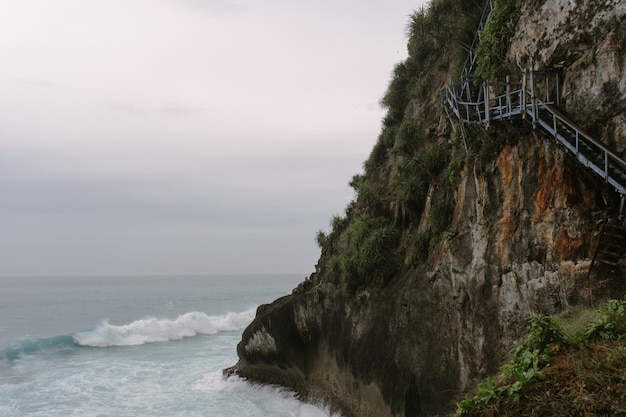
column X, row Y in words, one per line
column 614, row 226
column 611, row 249
column 613, row 239
column 613, row 234
column 604, row 261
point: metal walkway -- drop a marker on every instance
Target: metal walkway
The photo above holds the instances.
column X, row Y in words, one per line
column 472, row 100
column 475, row 101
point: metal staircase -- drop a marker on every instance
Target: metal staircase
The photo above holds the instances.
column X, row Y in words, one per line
column 475, row 101
column 611, row 244
column 485, row 107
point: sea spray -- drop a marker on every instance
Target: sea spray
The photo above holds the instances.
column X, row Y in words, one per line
column 283, row 401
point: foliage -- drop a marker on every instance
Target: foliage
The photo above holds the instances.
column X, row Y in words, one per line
column 408, row 138
column 381, row 149
column 367, row 195
column 441, row 211
column 601, row 379
column 444, row 31
column 544, row 333
column 420, row 245
column 458, row 159
column 321, row 238
column 413, row 177
column 529, row 358
column 574, row 320
column 609, row 323
column 367, row 252
column 396, row 98
column 405, row 165
column 495, row 38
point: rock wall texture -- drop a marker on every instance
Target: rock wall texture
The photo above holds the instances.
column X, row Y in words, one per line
column 525, row 223
column 587, row 38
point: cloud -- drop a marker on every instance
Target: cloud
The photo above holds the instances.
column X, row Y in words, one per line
column 35, row 82
column 213, row 6
column 176, row 110
column 191, row 136
column 169, row 109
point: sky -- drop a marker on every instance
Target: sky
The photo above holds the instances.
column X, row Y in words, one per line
column 165, row 137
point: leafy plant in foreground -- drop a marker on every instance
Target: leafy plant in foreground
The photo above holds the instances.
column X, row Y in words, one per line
column 609, row 323
column 529, row 358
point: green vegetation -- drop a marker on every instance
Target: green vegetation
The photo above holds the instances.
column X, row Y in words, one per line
column 441, row 35
column 609, row 323
column 550, row 370
column 367, row 252
column 495, row 38
column 405, row 196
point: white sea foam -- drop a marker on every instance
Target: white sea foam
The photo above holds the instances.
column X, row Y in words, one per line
column 51, row 375
column 269, row 400
column 151, row 329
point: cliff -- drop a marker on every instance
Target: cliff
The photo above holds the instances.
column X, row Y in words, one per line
column 454, row 239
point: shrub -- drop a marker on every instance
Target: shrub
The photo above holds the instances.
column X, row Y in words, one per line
column 367, row 252
column 408, row 138
column 413, row 177
column 529, row 358
column 609, row 323
column 495, row 38
column 321, row 238
column 396, row 98
column 420, row 245
column 441, row 211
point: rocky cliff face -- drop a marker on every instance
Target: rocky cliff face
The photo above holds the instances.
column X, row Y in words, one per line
column 523, row 232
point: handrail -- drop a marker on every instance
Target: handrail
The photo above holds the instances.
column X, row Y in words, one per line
column 518, row 100
column 608, row 158
column 599, row 145
column 471, row 56
column 521, row 101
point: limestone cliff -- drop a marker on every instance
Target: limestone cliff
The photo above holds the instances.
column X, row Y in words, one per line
column 407, row 329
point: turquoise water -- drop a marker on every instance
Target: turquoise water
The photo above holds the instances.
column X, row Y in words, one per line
column 134, row 346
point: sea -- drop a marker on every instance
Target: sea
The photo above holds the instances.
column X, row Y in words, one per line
column 135, row 346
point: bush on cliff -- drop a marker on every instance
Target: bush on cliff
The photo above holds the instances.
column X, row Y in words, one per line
column 386, row 223
column 366, row 253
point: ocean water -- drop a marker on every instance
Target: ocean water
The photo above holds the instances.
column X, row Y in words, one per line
column 134, row 346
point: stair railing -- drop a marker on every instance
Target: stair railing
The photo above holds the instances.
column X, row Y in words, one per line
column 608, row 161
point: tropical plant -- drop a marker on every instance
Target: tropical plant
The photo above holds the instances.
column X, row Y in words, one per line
column 495, row 38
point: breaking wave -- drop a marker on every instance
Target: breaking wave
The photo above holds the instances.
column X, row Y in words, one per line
column 29, row 345
column 151, row 329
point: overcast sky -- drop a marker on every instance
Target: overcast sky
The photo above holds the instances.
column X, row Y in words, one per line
column 185, row 136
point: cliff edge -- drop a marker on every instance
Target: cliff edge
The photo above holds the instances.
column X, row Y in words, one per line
column 457, row 233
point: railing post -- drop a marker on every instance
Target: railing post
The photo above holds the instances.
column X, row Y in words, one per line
column 606, row 166
column 533, row 101
column 508, row 95
column 558, row 87
column 523, row 104
column 486, row 94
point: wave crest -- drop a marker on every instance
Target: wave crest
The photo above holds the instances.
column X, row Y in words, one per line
column 151, row 329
